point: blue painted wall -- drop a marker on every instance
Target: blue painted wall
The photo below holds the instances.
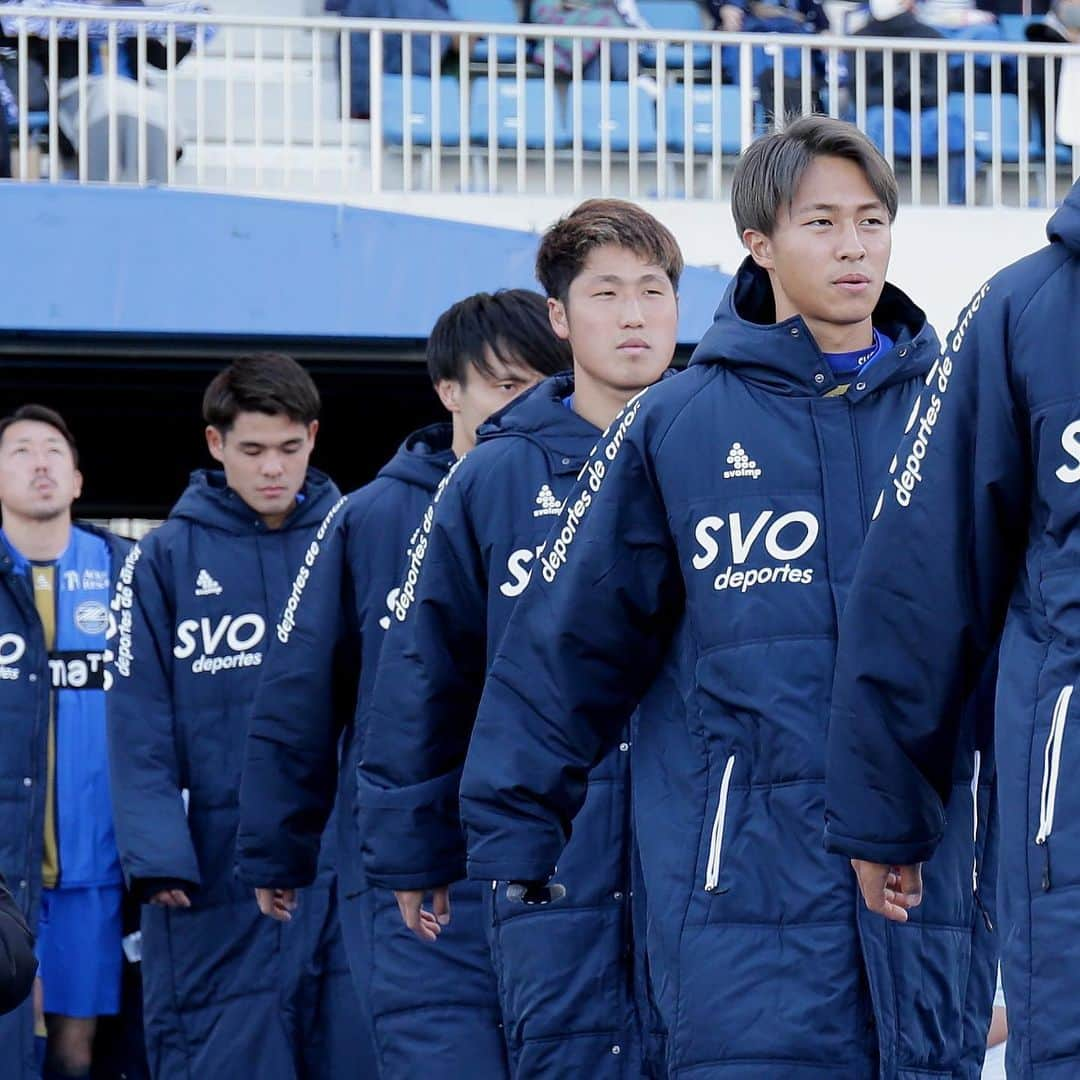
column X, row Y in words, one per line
column 159, row 261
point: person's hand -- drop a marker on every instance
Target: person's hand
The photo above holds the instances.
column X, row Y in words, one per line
column 174, row 898
column 731, row 18
column 426, row 925
column 277, row 903
column 891, row 891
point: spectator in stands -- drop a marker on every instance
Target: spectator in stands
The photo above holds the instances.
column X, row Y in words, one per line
column 1060, row 27
column 57, row 846
column 125, row 96
column 8, row 117
column 896, row 19
column 783, row 17
column 360, row 45
column 609, row 13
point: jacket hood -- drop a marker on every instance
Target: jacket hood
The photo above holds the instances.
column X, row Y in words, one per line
column 208, row 500
column 423, row 458
column 541, row 415
column 784, row 356
column 1064, row 226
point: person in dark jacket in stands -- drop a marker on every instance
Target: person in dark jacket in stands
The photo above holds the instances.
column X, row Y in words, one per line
column 566, row 973
column 226, row 992
column 975, row 551
column 8, row 118
column 897, row 19
column 57, row 846
column 303, row 745
column 697, row 572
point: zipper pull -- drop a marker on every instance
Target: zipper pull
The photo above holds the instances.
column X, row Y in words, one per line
column 1046, row 867
column 987, row 921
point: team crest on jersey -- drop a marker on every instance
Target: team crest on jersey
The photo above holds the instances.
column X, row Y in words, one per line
column 88, row 580
column 92, row 617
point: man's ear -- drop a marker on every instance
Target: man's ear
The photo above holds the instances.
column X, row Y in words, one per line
column 312, row 431
column 215, row 443
column 560, row 321
column 449, row 391
column 77, row 488
column 760, row 248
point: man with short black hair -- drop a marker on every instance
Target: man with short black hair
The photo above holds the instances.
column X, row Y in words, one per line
column 482, row 353
column 226, row 992
column 57, row 848
column 697, row 572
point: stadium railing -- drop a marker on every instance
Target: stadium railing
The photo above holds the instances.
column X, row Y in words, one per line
column 263, row 105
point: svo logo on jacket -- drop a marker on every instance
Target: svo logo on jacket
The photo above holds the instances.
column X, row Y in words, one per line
column 12, row 648
column 1070, row 443
column 518, row 566
column 234, row 636
column 784, row 539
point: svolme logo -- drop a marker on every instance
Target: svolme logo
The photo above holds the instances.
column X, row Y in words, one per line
column 546, row 503
column 741, row 464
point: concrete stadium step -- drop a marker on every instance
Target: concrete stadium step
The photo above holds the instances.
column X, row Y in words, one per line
column 300, row 108
column 277, row 170
column 270, row 41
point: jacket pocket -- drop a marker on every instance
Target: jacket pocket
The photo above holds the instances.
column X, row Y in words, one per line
column 716, row 840
column 1051, row 775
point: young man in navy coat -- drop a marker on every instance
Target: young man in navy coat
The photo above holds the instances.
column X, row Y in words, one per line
column 572, row 997
column 698, row 572
column 226, row 992
column 421, row 1004
column 976, row 533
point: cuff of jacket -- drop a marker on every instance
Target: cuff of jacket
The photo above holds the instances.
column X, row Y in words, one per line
column 890, row 853
column 144, row 889
column 282, row 866
column 412, row 835
column 511, row 869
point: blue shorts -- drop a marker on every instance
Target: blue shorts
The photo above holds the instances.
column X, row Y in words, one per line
column 79, row 951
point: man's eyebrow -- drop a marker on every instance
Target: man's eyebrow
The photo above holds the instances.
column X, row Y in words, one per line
column 833, row 207
column 616, row 279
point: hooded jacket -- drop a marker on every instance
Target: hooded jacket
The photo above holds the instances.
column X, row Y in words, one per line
column 978, row 530
column 324, row 649
column 699, row 567
column 564, row 975
column 303, row 746
column 194, row 607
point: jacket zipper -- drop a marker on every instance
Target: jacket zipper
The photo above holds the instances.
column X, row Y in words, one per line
column 716, row 842
column 1051, row 771
column 975, row 835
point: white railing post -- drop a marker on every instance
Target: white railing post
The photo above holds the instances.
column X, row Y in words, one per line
column 225, row 144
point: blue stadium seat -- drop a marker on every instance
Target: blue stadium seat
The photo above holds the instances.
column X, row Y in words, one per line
column 1012, row 27
column 673, row 15
column 489, row 11
column 702, row 107
column 420, row 111
column 618, row 124
column 929, row 126
column 511, row 111
column 37, row 122
column 982, row 135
